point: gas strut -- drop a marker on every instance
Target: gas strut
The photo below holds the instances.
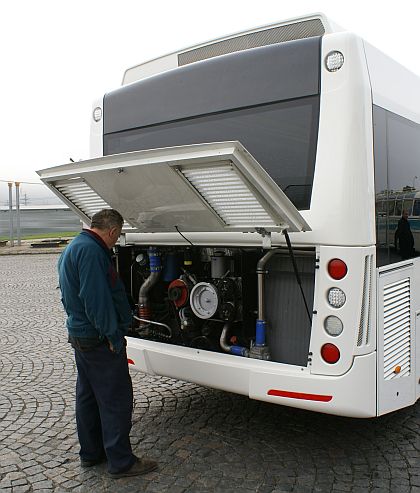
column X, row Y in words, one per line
column 292, row 256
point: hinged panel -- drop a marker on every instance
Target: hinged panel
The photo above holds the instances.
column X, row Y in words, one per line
column 202, row 187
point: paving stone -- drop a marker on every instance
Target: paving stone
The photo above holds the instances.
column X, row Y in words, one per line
column 205, row 440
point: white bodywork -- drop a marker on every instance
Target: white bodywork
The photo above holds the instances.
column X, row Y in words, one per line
column 339, row 224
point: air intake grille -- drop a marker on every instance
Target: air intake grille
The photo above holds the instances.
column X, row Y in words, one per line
column 397, row 335
column 228, row 196
column 83, row 197
column 365, row 315
column 298, row 30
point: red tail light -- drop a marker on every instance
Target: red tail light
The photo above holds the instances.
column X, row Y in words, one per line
column 330, row 353
column 337, row 269
column 130, row 361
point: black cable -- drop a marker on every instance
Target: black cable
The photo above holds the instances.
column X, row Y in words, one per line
column 292, row 256
column 186, row 239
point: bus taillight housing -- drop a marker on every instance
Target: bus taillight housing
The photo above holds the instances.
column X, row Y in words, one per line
column 337, row 269
column 330, row 353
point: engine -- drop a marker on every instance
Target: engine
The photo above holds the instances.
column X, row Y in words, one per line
column 198, row 297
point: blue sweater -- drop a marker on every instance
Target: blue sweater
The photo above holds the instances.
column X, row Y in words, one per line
column 92, row 293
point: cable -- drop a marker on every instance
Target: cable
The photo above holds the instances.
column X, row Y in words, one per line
column 292, row 256
column 186, row 239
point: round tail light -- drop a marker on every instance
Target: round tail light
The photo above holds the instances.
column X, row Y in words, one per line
column 337, row 269
column 330, row 353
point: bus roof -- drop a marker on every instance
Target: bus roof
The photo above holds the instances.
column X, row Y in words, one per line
column 296, row 28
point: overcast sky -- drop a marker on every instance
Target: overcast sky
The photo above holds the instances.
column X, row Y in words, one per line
column 58, row 56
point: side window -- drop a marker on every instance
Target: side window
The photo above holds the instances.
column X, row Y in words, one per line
column 397, row 172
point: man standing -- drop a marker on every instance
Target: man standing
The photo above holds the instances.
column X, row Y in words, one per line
column 98, row 318
column 403, row 237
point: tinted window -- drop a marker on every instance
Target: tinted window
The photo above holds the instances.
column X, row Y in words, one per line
column 397, row 180
column 282, row 137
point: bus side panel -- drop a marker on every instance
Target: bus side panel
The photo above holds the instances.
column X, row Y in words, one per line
column 396, row 288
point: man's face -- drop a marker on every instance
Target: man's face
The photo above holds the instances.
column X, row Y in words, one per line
column 405, row 214
column 113, row 235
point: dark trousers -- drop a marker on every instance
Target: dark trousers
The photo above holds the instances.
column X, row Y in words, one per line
column 104, row 405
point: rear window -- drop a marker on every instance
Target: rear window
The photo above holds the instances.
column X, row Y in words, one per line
column 282, row 137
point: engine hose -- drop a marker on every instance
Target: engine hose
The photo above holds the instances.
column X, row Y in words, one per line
column 237, row 350
column 152, row 322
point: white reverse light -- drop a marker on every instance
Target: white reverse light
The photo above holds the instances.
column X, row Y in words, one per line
column 97, row 114
column 333, row 326
column 336, row 297
column 334, row 61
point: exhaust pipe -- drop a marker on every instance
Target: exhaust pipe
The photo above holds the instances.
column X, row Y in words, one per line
column 145, row 311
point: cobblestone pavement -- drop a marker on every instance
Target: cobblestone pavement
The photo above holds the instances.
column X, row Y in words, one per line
column 204, row 440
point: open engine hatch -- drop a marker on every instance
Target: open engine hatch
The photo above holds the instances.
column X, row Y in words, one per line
column 200, row 187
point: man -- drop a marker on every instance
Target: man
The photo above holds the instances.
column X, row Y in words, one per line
column 403, row 237
column 98, row 318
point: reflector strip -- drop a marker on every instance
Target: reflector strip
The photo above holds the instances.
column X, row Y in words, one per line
column 299, row 395
column 130, row 361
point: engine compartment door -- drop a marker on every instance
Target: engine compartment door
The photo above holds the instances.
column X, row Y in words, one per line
column 201, row 187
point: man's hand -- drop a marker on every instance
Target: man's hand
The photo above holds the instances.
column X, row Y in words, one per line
column 111, row 347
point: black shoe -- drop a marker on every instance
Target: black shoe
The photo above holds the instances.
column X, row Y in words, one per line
column 92, row 462
column 141, row 466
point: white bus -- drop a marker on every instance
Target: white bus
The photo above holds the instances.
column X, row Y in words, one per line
column 246, row 169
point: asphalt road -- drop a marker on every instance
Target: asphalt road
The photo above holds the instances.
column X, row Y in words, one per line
column 204, row 440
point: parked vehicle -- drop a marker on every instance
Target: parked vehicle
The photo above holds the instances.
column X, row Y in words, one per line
column 246, row 169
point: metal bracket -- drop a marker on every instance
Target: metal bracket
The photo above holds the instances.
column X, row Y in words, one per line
column 266, row 237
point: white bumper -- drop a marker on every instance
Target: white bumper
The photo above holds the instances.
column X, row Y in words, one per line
column 352, row 394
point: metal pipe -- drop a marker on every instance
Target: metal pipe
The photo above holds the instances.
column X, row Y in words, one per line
column 17, row 184
column 146, row 287
column 223, row 343
column 237, row 350
column 12, row 243
column 155, row 269
column 152, row 322
column 260, row 277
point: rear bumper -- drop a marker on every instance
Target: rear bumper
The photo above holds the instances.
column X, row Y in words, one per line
column 352, row 394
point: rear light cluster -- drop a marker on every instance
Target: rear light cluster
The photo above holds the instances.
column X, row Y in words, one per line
column 337, row 270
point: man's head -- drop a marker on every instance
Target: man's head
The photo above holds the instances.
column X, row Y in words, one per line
column 405, row 214
column 107, row 224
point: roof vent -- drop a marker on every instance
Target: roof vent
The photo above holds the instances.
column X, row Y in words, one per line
column 289, row 32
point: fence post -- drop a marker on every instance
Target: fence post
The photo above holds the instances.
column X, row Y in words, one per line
column 11, row 214
column 17, row 184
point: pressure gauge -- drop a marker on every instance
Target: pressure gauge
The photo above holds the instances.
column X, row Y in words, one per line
column 204, row 300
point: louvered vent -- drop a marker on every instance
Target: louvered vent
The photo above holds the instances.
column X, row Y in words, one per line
column 228, row 196
column 365, row 315
column 83, row 197
column 298, row 30
column 397, row 339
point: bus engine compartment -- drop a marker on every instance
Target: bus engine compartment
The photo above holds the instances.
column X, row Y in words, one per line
column 239, row 301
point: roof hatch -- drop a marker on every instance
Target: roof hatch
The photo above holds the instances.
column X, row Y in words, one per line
column 201, row 187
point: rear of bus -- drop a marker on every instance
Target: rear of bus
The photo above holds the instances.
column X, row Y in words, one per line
column 287, row 111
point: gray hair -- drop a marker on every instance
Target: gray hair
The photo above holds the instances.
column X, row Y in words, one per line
column 107, row 219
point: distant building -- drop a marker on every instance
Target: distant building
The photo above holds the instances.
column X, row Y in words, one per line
column 40, row 219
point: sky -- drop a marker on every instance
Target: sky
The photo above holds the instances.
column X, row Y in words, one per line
column 59, row 56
